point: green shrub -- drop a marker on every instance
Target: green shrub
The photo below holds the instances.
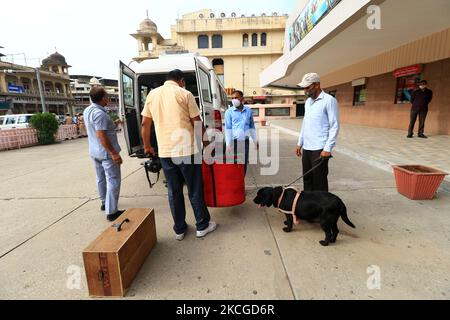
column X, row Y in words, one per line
column 114, row 117
column 46, row 125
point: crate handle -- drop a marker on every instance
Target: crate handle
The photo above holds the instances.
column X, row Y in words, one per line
column 119, row 226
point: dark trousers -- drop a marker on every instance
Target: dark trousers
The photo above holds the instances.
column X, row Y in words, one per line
column 316, row 180
column 179, row 171
column 241, row 152
column 422, row 117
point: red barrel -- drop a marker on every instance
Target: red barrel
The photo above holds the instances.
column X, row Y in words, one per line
column 223, row 184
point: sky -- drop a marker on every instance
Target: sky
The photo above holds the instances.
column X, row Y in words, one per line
column 94, row 35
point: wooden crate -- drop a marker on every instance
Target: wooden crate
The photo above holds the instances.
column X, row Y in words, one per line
column 113, row 260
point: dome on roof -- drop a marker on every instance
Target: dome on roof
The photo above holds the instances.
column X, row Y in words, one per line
column 148, row 26
column 55, row 59
column 94, row 82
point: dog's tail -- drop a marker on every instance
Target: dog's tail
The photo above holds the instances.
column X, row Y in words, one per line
column 344, row 215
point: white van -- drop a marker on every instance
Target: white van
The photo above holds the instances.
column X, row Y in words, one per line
column 138, row 79
column 15, row 121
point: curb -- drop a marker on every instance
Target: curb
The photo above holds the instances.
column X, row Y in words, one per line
column 368, row 159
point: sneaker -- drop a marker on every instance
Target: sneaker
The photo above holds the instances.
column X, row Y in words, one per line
column 212, row 226
column 114, row 216
column 180, row 237
column 423, row 136
column 102, row 207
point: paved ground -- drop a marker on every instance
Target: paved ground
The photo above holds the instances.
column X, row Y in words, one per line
column 51, row 213
column 383, row 148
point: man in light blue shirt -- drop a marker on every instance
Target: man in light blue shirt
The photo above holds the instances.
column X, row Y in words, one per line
column 239, row 126
column 104, row 150
column 318, row 134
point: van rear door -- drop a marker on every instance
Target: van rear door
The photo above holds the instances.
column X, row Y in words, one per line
column 205, row 94
column 129, row 109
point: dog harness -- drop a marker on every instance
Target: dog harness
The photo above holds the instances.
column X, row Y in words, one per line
column 294, row 204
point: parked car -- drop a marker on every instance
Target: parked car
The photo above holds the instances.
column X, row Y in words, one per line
column 15, row 121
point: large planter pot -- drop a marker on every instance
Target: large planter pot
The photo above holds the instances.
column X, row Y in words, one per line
column 418, row 182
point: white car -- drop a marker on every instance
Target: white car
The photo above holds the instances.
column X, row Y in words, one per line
column 15, row 121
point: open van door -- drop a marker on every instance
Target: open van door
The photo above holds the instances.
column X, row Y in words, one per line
column 129, row 109
column 206, row 101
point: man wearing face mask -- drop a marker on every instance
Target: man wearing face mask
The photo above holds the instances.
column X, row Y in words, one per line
column 104, row 150
column 239, row 126
column 420, row 100
column 318, row 134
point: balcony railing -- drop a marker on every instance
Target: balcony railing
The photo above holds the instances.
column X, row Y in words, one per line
column 28, row 92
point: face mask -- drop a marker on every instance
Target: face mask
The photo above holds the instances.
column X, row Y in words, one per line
column 236, row 103
column 310, row 93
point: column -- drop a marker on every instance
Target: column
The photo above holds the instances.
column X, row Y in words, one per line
column 3, row 82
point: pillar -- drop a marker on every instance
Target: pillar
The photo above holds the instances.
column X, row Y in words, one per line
column 3, row 87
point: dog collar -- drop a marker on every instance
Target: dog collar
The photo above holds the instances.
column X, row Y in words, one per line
column 294, row 204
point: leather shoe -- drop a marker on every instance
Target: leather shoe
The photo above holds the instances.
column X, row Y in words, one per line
column 423, row 136
column 114, row 216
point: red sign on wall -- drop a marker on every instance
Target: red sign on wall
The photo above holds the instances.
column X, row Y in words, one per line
column 408, row 71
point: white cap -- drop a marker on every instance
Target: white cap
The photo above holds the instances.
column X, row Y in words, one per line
column 309, row 79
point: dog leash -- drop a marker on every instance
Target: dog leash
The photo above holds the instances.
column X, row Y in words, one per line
column 314, row 168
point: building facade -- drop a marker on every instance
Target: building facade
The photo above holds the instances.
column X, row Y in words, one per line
column 238, row 47
column 19, row 88
column 370, row 57
column 81, row 86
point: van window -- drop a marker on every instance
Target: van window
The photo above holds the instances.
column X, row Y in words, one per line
column 128, row 94
column 205, row 86
column 24, row 119
column 11, row 120
column 2, row 119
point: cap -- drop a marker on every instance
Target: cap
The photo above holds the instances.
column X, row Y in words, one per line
column 309, row 79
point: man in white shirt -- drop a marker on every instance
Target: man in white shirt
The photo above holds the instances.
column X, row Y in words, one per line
column 318, row 133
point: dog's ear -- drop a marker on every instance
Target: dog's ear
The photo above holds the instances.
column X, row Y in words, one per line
column 276, row 194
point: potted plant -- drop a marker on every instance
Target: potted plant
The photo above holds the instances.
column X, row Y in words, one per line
column 418, row 182
column 46, row 126
column 263, row 121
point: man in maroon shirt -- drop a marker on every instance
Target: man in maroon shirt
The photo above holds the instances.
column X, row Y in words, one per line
column 420, row 100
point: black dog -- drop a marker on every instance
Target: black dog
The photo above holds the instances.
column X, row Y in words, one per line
column 312, row 206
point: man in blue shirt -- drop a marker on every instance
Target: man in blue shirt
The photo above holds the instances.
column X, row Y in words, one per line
column 318, row 133
column 104, row 150
column 239, row 126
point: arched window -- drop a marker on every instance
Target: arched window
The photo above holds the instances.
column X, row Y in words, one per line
column 219, row 68
column 245, row 40
column 263, row 39
column 217, row 41
column 203, row 42
column 254, row 40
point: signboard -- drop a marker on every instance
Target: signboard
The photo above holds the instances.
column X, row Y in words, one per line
column 359, row 82
column 5, row 104
column 408, row 71
column 15, row 89
column 311, row 15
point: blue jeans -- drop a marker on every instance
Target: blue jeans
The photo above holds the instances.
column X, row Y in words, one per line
column 177, row 172
column 108, row 183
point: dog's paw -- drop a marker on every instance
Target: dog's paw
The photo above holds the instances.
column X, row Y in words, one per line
column 324, row 243
column 287, row 229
